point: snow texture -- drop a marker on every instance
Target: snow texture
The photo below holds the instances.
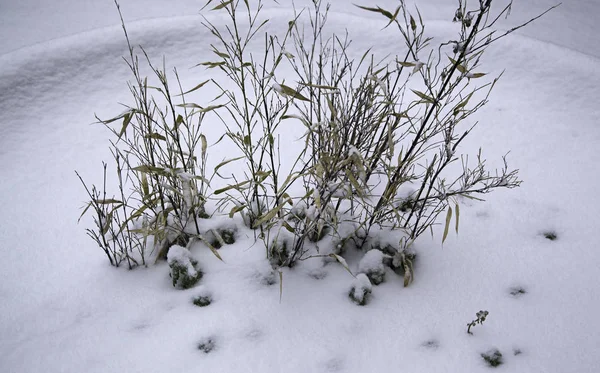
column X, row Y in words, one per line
column 65, row 310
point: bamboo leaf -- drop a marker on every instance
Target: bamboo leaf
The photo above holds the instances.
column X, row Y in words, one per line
column 423, row 96
column 178, row 122
column 405, row 64
column 229, row 187
column 156, row 136
column 211, row 65
column 222, row 5
column 319, row 86
column 413, row 24
column 379, row 10
column 280, row 285
column 89, row 204
column 268, row 216
column 342, row 261
column 235, row 210
column 145, row 187
column 459, row 67
column 226, row 162
column 211, row 247
column 288, row 91
column 457, row 217
column 475, row 75
column 204, row 144
column 195, row 88
column 126, row 120
column 107, row 201
column 448, row 218
column 288, row 227
column 221, row 54
column 149, row 169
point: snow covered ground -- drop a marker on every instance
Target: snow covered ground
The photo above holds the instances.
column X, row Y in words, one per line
column 63, row 309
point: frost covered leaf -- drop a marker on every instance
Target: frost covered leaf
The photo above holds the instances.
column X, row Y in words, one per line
column 288, row 91
column 418, row 66
column 448, row 218
column 475, row 75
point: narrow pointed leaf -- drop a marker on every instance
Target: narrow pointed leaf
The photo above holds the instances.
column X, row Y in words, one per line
column 448, row 218
column 457, row 217
column 423, row 96
column 222, row 5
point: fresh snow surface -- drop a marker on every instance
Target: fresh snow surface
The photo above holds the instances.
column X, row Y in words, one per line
column 64, row 309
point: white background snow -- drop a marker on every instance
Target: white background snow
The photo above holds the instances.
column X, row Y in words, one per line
column 63, row 309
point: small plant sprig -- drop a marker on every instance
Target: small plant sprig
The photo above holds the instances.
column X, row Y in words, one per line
column 481, row 316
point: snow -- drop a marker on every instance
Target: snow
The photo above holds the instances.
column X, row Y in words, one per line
column 65, row 310
column 372, row 265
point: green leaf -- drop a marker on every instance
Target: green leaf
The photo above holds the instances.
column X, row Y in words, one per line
column 222, row 5
column 268, row 216
column 459, row 67
column 195, row 88
column 221, row 54
column 89, row 204
column 288, row 91
column 448, row 218
column 107, row 201
column 462, row 104
column 178, row 122
column 413, row 24
column 211, row 65
column 149, row 169
column 235, row 210
column 405, row 64
column 229, row 187
column 288, row 227
column 423, row 96
column 457, row 217
column 280, row 285
column 384, row 12
column 226, row 162
column 156, row 136
column 126, row 120
column 145, row 187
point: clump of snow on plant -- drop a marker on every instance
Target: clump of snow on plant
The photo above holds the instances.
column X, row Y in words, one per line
column 360, row 289
column 372, row 265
